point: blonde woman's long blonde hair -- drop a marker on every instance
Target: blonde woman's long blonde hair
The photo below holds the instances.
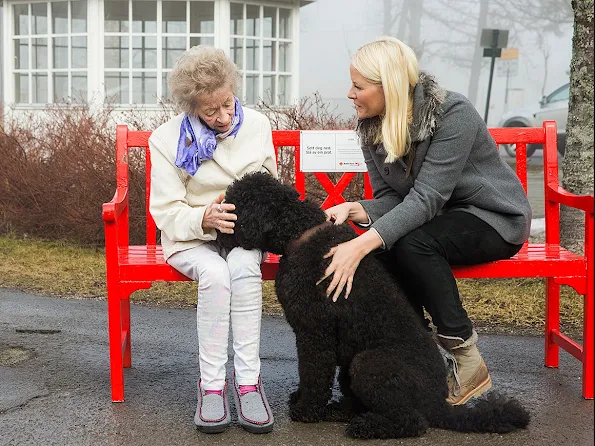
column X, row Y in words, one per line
column 390, row 63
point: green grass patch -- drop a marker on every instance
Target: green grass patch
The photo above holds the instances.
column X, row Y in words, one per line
column 66, row 270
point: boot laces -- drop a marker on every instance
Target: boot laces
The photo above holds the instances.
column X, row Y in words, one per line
column 452, row 369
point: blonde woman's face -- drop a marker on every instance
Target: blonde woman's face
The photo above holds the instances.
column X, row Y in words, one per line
column 367, row 97
column 217, row 109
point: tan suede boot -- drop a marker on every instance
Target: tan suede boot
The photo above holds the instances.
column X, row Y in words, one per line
column 469, row 377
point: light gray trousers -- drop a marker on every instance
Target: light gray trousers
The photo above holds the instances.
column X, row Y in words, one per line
column 229, row 289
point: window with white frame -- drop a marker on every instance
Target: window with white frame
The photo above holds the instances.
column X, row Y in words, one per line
column 142, row 41
column 50, row 52
column 261, row 47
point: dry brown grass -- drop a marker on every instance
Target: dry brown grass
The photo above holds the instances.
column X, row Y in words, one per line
column 66, row 270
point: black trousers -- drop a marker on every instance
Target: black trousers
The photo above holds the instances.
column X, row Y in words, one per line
column 421, row 263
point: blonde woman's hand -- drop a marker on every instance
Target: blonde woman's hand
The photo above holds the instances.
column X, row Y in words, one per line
column 350, row 210
column 339, row 213
column 217, row 216
column 346, row 257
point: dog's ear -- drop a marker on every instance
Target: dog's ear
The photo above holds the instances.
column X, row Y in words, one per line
column 253, row 233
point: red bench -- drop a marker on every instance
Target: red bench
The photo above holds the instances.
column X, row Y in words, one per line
column 130, row 268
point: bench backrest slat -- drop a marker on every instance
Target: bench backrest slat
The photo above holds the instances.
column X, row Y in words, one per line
column 546, row 135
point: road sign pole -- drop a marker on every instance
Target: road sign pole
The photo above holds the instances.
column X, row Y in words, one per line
column 506, row 89
column 495, row 33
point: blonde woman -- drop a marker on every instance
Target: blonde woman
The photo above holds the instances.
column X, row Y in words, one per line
column 442, row 197
column 196, row 155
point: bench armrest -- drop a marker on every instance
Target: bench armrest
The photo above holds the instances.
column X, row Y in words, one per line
column 562, row 196
column 113, row 209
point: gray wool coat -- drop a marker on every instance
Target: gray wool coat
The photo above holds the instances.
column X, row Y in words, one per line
column 455, row 168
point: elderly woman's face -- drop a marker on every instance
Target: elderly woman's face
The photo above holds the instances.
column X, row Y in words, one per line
column 217, row 109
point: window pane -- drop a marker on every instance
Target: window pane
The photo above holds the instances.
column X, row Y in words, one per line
column 79, row 52
column 284, row 56
column 21, row 54
column 116, row 52
column 251, row 89
column 202, row 17
column 237, row 18
column 39, row 48
column 21, row 20
column 174, row 17
column 40, row 88
column 116, row 16
column 201, row 41
column 252, row 20
column 144, row 52
column 39, row 18
column 237, row 52
column 285, row 23
column 21, row 87
column 144, row 88
column 79, row 87
column 173, row 47
column 60, row 17
column 269, row 26
column 144, row 17
column 116, row 88
column 60, row 52
column 268, row 89
column 252, row 55
column 284, row 93
column 60, row 86
column 269, row 55
column 79, row 17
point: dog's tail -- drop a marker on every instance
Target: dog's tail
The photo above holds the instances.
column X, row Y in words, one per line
column 492, row 413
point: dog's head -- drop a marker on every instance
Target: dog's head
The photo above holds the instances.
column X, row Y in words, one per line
column 270, row 214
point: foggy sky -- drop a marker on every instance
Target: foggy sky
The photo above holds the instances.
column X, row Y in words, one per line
column 331, row 30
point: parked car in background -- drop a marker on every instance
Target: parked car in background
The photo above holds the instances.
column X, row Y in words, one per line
column 551, row 107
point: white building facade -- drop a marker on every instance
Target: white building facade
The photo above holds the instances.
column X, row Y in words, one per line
column 121, row 51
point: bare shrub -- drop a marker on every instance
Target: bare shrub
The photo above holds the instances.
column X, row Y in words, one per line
column 311, row 113
column 57, row 168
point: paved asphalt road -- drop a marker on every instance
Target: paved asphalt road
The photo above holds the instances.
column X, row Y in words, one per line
column 54, row 383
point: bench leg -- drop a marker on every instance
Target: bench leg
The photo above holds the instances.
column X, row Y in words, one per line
column 552, row 322
column 125, row 312
column 114, row 321
column 588, row 341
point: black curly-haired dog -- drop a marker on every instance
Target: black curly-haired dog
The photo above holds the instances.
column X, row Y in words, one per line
column 391, row 373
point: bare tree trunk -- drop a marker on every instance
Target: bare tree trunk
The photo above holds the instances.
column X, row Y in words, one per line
column 577, row 166
column 416, row 10
column 402, row 28
column 477, row 54
column 387, row 18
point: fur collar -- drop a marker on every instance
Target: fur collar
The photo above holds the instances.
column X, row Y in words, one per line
column 428, row 98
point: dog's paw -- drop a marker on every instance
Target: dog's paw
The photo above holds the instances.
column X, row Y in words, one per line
column 294, row 396
column 305, row 414
column 359, row 427
column 338, row 411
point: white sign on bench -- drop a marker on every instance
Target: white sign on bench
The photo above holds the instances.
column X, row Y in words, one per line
column 331, row 151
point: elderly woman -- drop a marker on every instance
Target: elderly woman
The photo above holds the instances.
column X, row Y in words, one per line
column 195, row 156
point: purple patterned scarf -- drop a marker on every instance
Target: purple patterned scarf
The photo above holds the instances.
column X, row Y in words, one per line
column 197, row 142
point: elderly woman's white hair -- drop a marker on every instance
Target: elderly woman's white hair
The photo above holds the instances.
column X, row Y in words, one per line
column 202, row 69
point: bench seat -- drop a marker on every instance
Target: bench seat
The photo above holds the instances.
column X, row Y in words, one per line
column 145, row 262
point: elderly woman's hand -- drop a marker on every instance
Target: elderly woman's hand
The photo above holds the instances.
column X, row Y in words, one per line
column 217, row 216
